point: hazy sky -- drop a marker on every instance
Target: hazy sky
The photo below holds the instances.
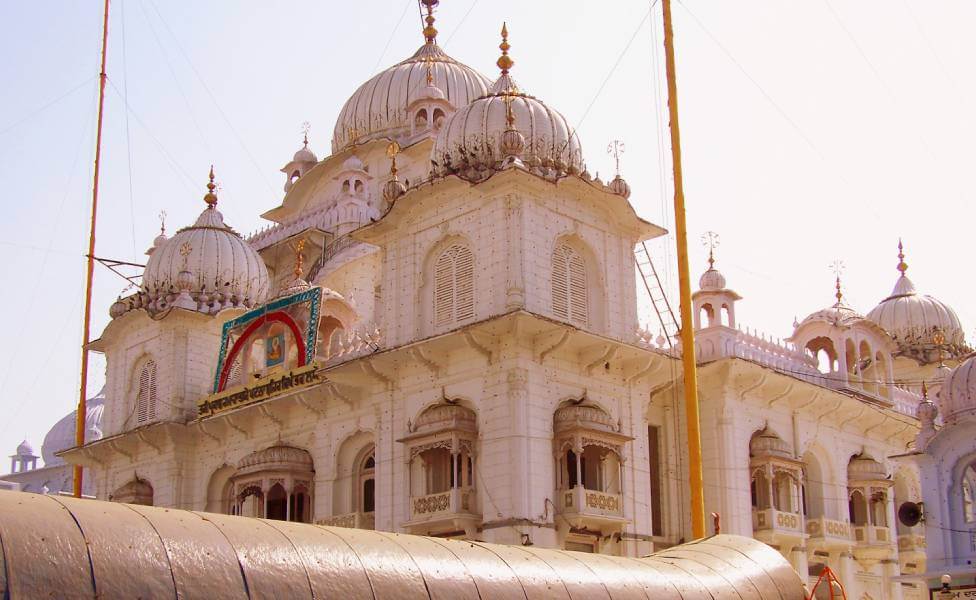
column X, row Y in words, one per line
column 812, row 130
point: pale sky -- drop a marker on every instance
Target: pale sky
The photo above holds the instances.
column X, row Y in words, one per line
column 812, row 131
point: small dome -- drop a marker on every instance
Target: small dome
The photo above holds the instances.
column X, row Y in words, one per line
column 838, row 314
column 583, row 416
column 305, row 154
column 276, row 458
column 711, row 280
column 766, row 443
column 620, row 187
column 353, row 163
column 62, row 435
column 957, row 397
column 378, row 108
column 210, row 261
column 25, row 449
column 915, row 320
column 865, row 468
column 473, row 142
column 441, row 417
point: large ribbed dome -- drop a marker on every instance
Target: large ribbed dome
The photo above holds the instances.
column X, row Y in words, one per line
column 62, row 435
column 506, row 123
column 914, row 320
column 379, row 107
column 957, row 397
column 208, row 260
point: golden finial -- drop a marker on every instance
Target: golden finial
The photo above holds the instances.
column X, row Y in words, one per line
column 925, row 391
column 430, row 34
column 299, row 258
column 162, row 222
column 616, row 148
column 509, row 114
column 392, row 150
column 306, row 126
column 505, row 62
column 430, row 71
column 211, row 197
column 902, row 265
column 710, row 240
column 838, row 267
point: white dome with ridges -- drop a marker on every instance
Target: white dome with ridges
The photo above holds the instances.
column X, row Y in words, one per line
column 205, row 267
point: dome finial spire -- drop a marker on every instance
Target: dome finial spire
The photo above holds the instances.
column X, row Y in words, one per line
column 306, row 126
column 299, row 258
column 711, row 241
column 430, row 33
column 504, row 62
column 838, row 268
column 616, row 148
column 902, row 265
column 211, row 198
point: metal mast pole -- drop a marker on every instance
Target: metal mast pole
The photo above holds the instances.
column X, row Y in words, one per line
column 695, row 478
column 90, row 267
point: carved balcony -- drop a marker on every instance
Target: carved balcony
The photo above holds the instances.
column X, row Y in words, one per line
column 777, row 527
column 445, row 513
column 828, row 534
column 873, row 543
column 591, row 509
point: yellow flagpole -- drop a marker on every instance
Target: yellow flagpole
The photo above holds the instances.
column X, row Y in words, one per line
column 695, row 478
column 90, row 267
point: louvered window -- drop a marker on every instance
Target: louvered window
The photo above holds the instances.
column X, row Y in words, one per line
column 569, row 292
column 234, row 377
column 454, row 286
column 146, row 398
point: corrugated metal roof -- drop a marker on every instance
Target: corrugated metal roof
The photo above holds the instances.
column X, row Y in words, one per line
column 67, row 548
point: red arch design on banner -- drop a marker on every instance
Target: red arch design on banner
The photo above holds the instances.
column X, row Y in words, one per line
column 280, row 317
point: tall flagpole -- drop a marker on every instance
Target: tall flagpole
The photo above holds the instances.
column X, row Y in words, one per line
column 90, row 268
column 695, row 478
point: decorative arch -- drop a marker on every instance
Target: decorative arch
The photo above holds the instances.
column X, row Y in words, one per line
column 146, row 390
column 349, row 486
column 245, row 340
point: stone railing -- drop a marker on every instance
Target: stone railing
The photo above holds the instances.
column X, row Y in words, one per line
column 822, row 527
column 777, row 520
column 905, row 401
column 355, row 520
column 871, row 534
column 580, row 500
column 911, row 542
column 360, row 342
column 432, row 506
column 272, row 234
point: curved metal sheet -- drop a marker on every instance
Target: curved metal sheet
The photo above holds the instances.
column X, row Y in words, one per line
column 203, row 562
column 269, row 561
column 492, row 575
column 111, row 561
column 334, row 569
column 68, row 548
column 537, row 577
column 44, row 549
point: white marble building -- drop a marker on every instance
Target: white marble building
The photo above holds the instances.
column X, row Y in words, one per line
column 476, row 366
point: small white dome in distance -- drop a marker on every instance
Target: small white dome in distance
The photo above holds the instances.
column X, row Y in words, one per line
column 25, row 449
column 210, row 262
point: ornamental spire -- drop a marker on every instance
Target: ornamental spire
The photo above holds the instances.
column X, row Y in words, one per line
column 306, row 126
column 504, row 61
column 615, row 149
column 211, row 198
column 711, row 241
column 838, row 267
column 430, row 33
column 902, row 265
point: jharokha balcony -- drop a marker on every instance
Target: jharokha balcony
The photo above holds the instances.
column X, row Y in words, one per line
column 828, row 534
column 777, row 517
column 589, row 465
column 356, row 520
column 441, row 446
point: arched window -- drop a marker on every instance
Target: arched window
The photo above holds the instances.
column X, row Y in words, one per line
column 969, row 494
column 858, row 508
column 454, row 286
column 147, row 396
column 569, row 289
column 367, row 484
